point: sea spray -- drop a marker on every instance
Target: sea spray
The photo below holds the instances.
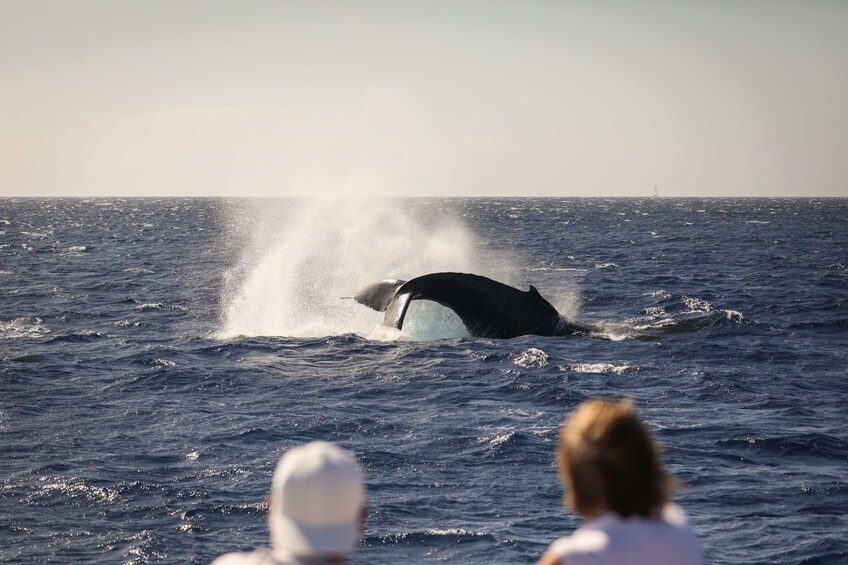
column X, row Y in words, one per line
column 297, row 258
column 568, row 301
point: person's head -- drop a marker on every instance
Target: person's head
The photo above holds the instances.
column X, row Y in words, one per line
column 317, row 502
column 608, row 461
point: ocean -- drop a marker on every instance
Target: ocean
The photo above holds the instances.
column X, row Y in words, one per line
column 158, row 355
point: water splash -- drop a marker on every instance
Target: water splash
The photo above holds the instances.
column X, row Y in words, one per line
column 568, row 301
column 427, row 321
column 297, row 258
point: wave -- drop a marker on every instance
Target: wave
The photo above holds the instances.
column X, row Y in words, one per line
column 657, row 294
column 156, row 362
column 31, row 358
column 688, row 322
column 24, row 327
column 137, row 270
column 558, row 270
column 60, row 491
column 595, row 368
column 160, row 306
column 687, row 315
column 81, row 336
column 812, row 445
column 424, row 536
column 531, row 359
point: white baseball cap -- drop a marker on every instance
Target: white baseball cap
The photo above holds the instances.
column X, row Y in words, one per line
column 317, row 498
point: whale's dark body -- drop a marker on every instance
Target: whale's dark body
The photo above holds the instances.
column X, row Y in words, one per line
column 486, row 307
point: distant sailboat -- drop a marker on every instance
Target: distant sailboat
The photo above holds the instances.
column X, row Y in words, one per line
column 656, row 194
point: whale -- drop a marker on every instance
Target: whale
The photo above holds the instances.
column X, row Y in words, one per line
column 486, row 307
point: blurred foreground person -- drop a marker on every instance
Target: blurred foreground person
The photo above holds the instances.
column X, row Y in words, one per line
column 615, row 479
column 316, row 509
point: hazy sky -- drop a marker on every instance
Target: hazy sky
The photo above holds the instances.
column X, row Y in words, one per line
column 177, row 97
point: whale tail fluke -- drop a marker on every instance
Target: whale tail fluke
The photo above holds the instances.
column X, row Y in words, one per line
column 487, row 308
column 379, row 295
column 396, row 312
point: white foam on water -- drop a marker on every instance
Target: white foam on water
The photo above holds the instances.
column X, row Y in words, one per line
column 25, row 327
column 655, row 311
column 657, row 294
column 697, row 304
column 160, row 306
column 137, row 270
column 734, row 315
column 596, row 368
column 453, row 532
column 658, row 324
column 613, row 331
column 531, row 358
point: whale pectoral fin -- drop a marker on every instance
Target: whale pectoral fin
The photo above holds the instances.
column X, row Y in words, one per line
column 396, row 312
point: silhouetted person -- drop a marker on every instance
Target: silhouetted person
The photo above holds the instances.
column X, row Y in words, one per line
column 316, row 509
column 615, row 479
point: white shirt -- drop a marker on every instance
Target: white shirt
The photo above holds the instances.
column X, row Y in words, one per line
column 636, row 540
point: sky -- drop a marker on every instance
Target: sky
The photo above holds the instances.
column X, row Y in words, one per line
column 459, row 98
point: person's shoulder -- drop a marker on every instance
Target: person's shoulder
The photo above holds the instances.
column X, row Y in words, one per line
column 257, row 557
column 675, row 515
column 550, row 557
column 676, row 518
column 234, row 558
column 584, row 541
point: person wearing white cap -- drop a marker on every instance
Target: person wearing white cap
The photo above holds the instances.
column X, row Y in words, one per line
column 316, row 509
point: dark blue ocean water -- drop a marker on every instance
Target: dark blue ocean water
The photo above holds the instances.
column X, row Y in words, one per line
column 157, row 356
